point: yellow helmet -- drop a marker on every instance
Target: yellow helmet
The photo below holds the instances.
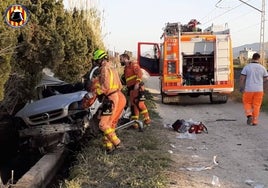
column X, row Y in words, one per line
column 99, row 54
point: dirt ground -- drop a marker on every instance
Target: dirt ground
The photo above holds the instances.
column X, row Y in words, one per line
column 232, row 154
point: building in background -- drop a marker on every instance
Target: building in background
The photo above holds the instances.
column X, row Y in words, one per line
column 245, row 55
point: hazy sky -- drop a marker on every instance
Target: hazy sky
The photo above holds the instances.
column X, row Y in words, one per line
column 127, row 22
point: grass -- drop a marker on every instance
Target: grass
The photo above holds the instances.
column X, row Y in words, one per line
column 141, row 164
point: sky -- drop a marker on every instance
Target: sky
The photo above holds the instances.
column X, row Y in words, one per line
column 127, row 22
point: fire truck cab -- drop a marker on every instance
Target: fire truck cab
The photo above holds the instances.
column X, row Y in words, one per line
column 190, row 63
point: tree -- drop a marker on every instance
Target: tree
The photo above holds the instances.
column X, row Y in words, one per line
column 75, row 47
column 81, row 34
column 7, row 46
column 40, row 45
column 53, row 38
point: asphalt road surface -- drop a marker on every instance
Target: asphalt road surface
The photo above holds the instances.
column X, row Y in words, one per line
column 232, row 154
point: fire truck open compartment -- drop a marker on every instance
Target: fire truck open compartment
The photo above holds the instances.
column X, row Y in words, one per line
column 198, row 69
column 191, row 62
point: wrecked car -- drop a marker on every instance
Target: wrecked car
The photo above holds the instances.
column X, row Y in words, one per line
column 56, row 117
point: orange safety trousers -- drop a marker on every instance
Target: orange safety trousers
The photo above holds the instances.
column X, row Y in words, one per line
column 252, row 103
column 108, row 123
column 138, row 107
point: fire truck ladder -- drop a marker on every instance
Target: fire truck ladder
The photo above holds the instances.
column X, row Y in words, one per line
column 222, row 67
column 222, row 59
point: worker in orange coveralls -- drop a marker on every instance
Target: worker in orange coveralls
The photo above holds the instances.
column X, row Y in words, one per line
column 252, row 78
column 108, row 85
column 135, row 86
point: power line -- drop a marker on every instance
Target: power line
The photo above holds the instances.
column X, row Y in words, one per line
column 207, row 15
column 262, row 28
column 217, row 4
column 222, row 13
column 247, row 27
column 250, row 5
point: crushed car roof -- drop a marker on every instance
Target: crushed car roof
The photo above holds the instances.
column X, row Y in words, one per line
column 48, row 80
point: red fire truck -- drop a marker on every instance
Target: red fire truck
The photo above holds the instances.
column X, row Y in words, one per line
column 191, row 63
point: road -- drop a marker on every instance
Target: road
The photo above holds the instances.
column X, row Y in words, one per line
column 240, row 150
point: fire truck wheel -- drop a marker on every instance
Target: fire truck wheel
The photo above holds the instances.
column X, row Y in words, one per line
column 164, row 99
column 218, row 99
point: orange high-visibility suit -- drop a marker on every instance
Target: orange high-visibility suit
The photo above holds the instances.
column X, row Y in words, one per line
column 133, row 76
column 252, row 102
column 108, row 84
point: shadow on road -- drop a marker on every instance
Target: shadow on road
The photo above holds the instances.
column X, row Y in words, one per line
column 184, row 100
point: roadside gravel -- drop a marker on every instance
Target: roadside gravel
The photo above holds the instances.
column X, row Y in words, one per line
column 240, row 151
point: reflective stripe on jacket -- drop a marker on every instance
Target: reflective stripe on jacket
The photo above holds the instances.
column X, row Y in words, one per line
column 133, row 74
column 109, row 80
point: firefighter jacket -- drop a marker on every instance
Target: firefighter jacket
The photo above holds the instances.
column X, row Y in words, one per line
column 89, row 99
column 133, row 74
column 109, row 81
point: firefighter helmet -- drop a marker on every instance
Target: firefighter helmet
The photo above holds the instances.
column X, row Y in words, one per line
column 99, row 54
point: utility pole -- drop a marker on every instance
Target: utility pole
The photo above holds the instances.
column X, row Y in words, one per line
column 261, row 47
column 262, row 52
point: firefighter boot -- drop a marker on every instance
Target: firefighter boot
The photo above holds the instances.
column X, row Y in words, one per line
column 147, row 121
column 120, row 146
column 134, row 117
column 108, row 146
column 135, row 126
column 110, row 151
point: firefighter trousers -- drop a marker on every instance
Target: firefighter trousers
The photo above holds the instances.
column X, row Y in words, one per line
column 108, row 123
column 138, row 107
column 252, row 103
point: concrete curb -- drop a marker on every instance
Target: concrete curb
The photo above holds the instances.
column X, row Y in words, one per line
column 41, row 174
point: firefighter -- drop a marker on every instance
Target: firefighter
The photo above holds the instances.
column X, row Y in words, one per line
column 135, row 86
column 192, row 25
column 108, row 85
